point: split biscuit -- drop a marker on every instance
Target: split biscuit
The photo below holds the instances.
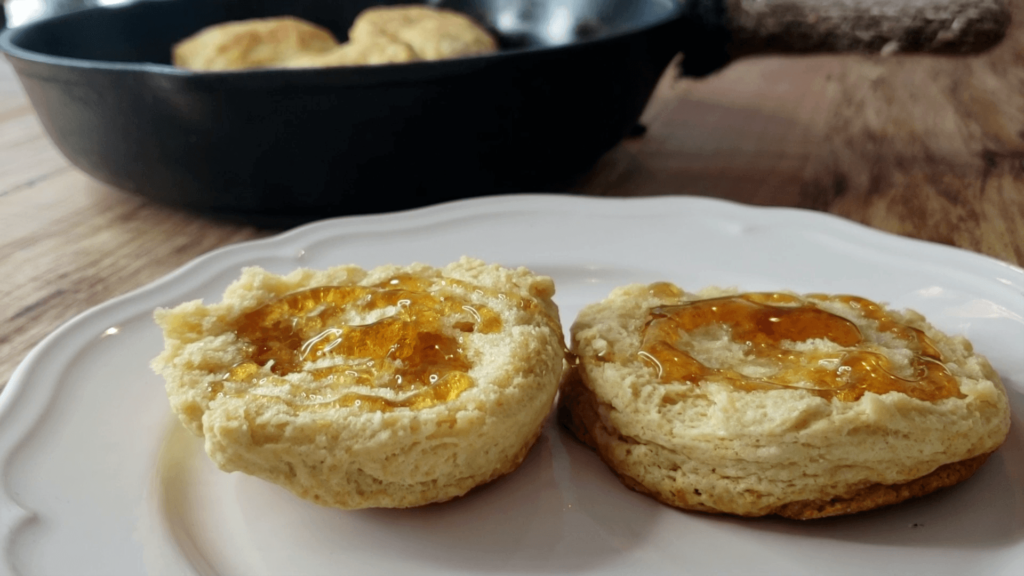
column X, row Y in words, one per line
column 393, row 387
column 773, row 403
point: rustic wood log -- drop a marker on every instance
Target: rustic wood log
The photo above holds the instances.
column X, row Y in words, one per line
column 888, row 26
column 719, row 31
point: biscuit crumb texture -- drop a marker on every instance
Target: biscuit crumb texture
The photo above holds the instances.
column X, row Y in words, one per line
column 352, row 457
column 712, row 447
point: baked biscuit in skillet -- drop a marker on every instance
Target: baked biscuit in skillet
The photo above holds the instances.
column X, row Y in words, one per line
column 432, row 33
column 379, row 35
column 255, row 43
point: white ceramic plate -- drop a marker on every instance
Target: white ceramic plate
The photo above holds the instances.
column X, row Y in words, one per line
column 99, row 478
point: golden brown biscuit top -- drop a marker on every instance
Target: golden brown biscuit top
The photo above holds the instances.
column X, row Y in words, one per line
column 770, row 327
column 433, row 33
column 256, row 43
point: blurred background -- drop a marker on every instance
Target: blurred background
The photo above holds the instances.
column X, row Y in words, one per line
column 926, row 146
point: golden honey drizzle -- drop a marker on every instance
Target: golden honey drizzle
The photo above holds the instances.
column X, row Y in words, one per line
column 763, row 322
column 410, row 351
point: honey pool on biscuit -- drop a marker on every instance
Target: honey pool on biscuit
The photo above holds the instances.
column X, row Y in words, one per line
column 406, row 351
column 763, row 321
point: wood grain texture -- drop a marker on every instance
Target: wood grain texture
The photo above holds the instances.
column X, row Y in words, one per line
column 69, row 252
column 929, row 147
column 925, row 146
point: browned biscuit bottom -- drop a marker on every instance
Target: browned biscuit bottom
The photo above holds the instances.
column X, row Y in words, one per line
column 577, row 413
column 879, row 495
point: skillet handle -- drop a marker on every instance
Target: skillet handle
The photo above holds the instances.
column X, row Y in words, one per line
column 734, row 28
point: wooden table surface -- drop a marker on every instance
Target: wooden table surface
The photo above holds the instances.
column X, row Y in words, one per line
column 924, row 146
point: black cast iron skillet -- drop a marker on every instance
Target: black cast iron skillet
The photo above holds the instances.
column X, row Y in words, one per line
column 281, row 146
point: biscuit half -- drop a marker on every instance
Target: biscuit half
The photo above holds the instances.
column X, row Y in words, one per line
column 394, row 387
column 736, row 432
